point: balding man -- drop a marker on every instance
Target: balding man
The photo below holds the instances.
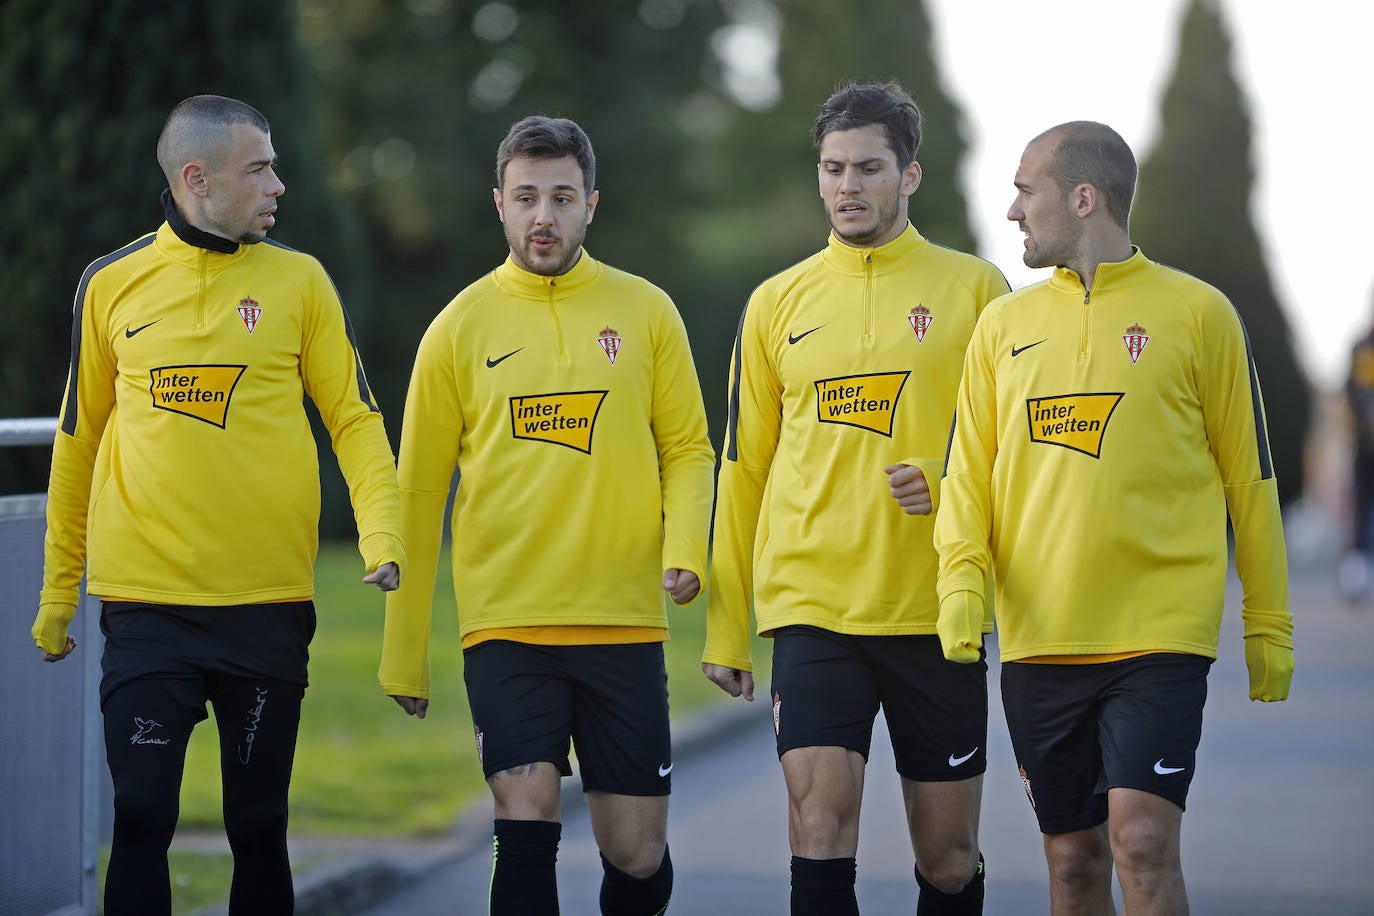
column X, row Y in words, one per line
column 185, row 451
column 1109, row 419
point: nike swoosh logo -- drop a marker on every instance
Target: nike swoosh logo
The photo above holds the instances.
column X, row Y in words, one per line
column 500, row 359
column 1162, row 770
column 130, row 332
column 664, row 771
column 792, row 340
column 960, row 761
column 1017, row 351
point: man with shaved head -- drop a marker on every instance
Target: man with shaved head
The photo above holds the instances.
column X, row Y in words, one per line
column 185, row 485
column 1109, row 419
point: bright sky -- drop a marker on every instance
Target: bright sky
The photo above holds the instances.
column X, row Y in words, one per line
column 1017, row 68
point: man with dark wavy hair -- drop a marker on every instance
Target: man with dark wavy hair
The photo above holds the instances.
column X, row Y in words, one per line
column 842, row 390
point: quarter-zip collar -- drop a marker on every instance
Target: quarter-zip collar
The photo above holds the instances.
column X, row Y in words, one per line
column 1109, row 274
column 861, row 261
column 189, row 234
column 520, row 282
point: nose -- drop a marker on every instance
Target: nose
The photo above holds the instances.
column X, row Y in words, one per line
column 849, row 180
column 1014, row 212
column 277, row 188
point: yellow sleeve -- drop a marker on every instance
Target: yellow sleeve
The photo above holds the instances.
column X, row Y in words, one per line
column 332, row 372
column 86, row 408
column 1233, row 412
column 963, row 526
column 753, row 425
column 685, row 456
column 430, row 433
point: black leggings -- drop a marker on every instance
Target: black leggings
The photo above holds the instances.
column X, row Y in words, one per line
column 147, row 725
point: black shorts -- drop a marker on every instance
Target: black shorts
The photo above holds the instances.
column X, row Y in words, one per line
column 180, row 645
column 1079, row 730
column 827, row 689
column 611, row 701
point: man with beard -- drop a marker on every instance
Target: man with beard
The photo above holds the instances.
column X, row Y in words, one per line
column 842, row 390
column 1109, row 419
column 563, row 391
column 185, row 473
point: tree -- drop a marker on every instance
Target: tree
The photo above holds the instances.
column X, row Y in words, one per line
column 83, row 112
column 1192, row 211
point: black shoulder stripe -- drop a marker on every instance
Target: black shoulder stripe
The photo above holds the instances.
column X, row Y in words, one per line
column 69, row 412
column 736, row 365
column 1266, row 461
column 954, row 421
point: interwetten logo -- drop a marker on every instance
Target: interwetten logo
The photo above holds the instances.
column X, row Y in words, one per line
column 200, row 392
column 1074, row 421
column 565, row 418
column 865, row 401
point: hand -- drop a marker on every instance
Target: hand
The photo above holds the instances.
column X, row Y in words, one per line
column 682, row 585
column 732, row 680
column 1270, row 664
column 910, row 488
column 414, row 706
column 387, row 577
column 960, row 626
column 66, row 650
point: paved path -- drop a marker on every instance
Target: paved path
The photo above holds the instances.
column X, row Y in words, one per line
column 1280, row 820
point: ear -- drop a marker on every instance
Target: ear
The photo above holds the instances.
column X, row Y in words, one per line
column 591, row 204
column 496, row 196
column 1083, row 200
column 911, row 179
column 195, row 178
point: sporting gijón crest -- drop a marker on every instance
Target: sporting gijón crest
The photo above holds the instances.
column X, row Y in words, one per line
column 249, row 312
column 1135, row 339
column 609, row 340
column 920, row 320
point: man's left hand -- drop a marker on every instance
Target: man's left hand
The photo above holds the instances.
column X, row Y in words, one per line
column 910, row 488
column 682, row 585
column 387, row 577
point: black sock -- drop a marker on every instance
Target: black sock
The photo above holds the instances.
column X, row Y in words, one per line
column 935, row 902
column 823, row 887
column 626, row 895
column 523, row 881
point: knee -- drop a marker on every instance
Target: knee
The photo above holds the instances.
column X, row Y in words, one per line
column 1078, row 860
column 642, row 860
column 820, row 831
column 949, row 872
column 1142, row 844
column 262, row 823
column 146, row 812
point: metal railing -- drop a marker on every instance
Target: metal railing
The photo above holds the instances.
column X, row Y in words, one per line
column 53, row 781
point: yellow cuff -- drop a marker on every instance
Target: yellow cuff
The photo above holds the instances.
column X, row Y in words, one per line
column 381, row 548
column 1270, row 665
column 50, row 626
column 1274, row 625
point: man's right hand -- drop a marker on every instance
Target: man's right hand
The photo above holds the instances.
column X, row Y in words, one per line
column 58, row 656
column 732, row 680
column 414, row 706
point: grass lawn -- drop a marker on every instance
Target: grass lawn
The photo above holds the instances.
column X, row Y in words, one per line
column 364, row 768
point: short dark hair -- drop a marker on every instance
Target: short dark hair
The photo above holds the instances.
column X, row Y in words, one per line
column 1087, row 152
column 547, row 138
column 857, row 105
column 197, row 127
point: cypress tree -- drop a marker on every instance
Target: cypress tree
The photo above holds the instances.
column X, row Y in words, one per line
column 1192, row 211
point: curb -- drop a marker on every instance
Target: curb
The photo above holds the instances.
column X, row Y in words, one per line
column 355, row 881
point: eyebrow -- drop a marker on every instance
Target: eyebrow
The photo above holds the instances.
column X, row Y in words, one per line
column 832, row 160
column 258, row 163
column 557, row 187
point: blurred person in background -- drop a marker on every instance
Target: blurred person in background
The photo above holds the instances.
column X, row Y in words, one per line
column 1355, row 572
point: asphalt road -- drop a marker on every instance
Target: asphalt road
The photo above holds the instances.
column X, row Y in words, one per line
column 1280, row 819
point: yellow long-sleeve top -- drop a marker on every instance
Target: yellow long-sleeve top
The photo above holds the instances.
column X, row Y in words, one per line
column 845, row 363
column 571, row 409
column 1101, row 437
column 184, row 460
